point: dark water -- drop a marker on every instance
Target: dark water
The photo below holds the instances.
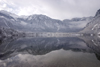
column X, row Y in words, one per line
column 50, row 52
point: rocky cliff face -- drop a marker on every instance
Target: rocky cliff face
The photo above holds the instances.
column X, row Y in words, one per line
column 98, row 13
column 93, row 27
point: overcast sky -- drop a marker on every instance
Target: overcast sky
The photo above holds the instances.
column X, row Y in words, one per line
column 57, row 9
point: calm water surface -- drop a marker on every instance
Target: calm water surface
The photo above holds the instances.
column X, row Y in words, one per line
column 50, row 52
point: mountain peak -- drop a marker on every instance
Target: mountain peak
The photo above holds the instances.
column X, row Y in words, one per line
column 5, row 12
column 98, row 13
column 8, row 13
column 36, row 16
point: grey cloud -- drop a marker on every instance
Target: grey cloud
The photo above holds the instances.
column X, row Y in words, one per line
column 57, row 9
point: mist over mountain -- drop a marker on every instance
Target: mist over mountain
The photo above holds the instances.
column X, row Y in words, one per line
column 93, row 26
column 41, row 23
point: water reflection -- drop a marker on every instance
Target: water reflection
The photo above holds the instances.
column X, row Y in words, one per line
column 50, row 52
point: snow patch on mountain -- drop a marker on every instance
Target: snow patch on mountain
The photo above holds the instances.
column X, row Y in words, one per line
column 23, row 23
column 41, row 23
column 94, row 26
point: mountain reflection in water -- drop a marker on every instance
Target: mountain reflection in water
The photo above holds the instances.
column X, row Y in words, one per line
column 50, row 52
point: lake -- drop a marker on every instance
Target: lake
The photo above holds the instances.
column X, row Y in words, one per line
column 50, row 52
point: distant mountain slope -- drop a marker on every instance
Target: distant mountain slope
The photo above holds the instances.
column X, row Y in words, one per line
column 77, row 23
column 94, row 25
column 41, row 23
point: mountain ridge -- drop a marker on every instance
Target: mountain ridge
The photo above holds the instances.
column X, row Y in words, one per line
column 98, row 13
column 93, row 27
column 41, row 23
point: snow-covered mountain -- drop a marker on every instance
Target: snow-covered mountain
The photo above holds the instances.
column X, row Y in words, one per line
column 41, row 23
column 93, row 26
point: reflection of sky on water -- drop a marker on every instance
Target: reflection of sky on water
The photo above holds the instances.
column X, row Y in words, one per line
column 50, row 52
column 55, row 58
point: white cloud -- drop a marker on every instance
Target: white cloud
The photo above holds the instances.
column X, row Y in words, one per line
column 58, row 9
